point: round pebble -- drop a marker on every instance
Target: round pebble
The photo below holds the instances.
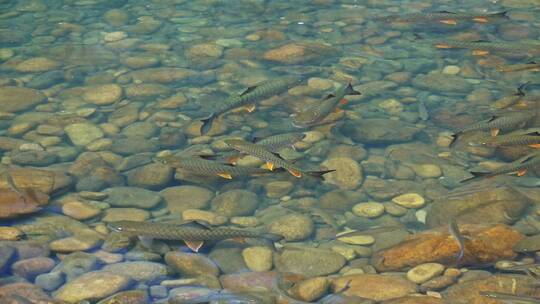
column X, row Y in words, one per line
column 424, row 272
column 258, row 258
column 451, row 69
column 357, row 239
column 369, row 209
column 409, row 200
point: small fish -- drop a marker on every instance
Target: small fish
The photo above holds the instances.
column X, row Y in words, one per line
column 508, row 121
column 530, row 66
column 200, row 166
column 220, row 296
column 510, row 298
column 422, row 110
column 485, row 47
column 273, row 160
column 444, row 17
column 454, row 231
column 193, row 234
column 518, row 167
column 510, row 100
column 317, row 112
column 250, row 96
column 530, row 139
column 278, row 142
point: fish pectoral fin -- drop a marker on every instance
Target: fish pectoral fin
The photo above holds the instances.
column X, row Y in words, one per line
column 295, row 173
column 521, row 172
column 535, row 146
column 248, row 90
column 270, row 166
column 194, row 245
column 343, row 101
column 448, row 21
column 146, row 241
column 521, row 103
column 225, row 175
column 480, row 19
column 250, row 108
column 197, row 224
column 480, row 53
column 338, row 110
column 443, row 46
column 494, row 132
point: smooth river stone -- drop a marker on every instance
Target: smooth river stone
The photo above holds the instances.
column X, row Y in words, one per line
column 15, row 99
column 92, row 286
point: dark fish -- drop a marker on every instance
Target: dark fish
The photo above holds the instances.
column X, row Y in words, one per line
column 530, row 66
column 444, row 17
column 251, row 96
column 510, row 298
column 317, row 112
column 485, row 47
column 508, row 101
column 454, row 231
column 193, row 234
column 272, row 160
column 278, row 142
column 530, row 139
column 508, row 121
column 519, row 167
column 200, row 166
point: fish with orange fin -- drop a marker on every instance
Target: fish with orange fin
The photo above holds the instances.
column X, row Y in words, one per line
column 273, row 160
column 443, row 17
column 531, row 139
column 518, row 167
column 486, row 47
column 198, row 165
column 316, row 113
column 194, row 234
column 510, row 100
column 532, row 66
column 250, row 97
column 508, row 121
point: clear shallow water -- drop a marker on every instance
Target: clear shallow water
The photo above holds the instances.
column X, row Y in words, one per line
column 92, row 91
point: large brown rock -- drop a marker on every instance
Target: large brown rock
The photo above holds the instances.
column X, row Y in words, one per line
column 488, row 205
column 39, row 180
column 468, row 292
column 14, row 204
column 15, row 99
column 483, row 244
column 298, row 52
column 374, row 286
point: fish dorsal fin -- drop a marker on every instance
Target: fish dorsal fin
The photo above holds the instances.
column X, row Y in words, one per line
column 329, row 96
column 527, row 158
column 492, row 118
column 277, row 155
column 535, row 133
column 255, row 139
column 248, row 90
column 445, row 12
column 197, row 224
column 481, row 40
column 207, row 156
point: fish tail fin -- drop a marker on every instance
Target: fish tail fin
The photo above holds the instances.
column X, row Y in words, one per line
column 319, row 174
column 350, row 91
column 272, row 237
column 207, row 123
column 519, row 90
column 503, row 14
column 476, row 175
column 454, row 138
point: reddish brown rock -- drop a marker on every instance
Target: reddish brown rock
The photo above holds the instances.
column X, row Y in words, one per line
column 44, row 181
column 468, row 292
column 14, row 204
column 483, row 244
column 374, row 286
column 24, row 290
